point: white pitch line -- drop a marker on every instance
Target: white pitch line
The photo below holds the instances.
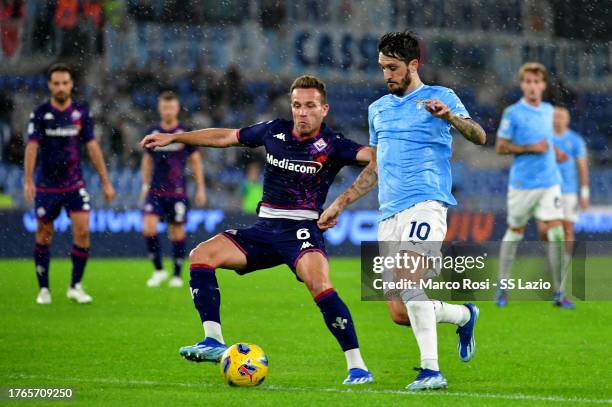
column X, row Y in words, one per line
column 353, row 390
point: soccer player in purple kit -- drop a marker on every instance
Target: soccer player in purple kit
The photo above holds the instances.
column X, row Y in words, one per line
column 164, row 190
column 56, row 131
column 302, row 158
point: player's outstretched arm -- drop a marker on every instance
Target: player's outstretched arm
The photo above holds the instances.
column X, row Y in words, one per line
column 29, row 162
column 504, row 147
column 365, row 182
column 97, row 159
column 206, row 138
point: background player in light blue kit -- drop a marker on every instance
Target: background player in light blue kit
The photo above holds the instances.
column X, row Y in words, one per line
column 572, row 162
column 410, row 128
column 526, row 131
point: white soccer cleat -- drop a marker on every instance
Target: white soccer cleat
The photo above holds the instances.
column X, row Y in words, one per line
column 79, row 295
column 157, row 278
column 175, row 282
column 44, row 296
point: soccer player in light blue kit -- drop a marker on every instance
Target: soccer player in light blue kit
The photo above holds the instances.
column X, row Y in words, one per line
column 572, row 162
column 526, row 131
column 410, row 128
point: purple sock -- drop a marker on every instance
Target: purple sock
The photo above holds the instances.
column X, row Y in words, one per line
column 178, row 253
column 205, row 292
column 337, row 318
column 154, row 251
column 79, row 260
column 42, row 256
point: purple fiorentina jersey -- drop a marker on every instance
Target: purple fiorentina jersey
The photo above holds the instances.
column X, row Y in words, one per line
column 298, row 174
column 169, row 164
column 59, row 134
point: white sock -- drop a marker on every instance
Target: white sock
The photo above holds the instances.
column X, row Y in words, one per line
column 354, row 359
column 507, row 252
column 556, row 256
column 451, row 313
column 212, row 329
column 423, row 321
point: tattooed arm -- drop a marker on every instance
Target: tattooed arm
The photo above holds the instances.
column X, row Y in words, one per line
column 471, row 130
column 365, row 182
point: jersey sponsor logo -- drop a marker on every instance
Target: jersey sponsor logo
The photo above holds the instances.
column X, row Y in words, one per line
column 63, row 131
column 301, row 166
column 306, row 245
column 48, row 116
column 280, row 136
column 320, row 145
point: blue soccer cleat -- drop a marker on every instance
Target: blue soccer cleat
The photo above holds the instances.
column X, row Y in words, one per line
column 358, row 376
column 428, row 379
column 501, row 298
column 209, row 350
column 561, row 301
column 467, row 340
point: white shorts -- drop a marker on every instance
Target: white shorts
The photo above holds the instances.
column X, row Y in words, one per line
column 569, row 202
column 542, row 203
column 423, row 225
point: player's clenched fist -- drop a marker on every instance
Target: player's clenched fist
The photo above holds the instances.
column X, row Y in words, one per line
column 157, row 140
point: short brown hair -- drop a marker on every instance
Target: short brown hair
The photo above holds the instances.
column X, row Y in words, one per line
column 168, row 95
column 58, row 67
column 310, row 82
column 533, row 67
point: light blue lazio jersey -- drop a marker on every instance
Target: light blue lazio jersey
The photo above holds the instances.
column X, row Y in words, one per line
column 572, row 144
column 413, row 149
column 525, row 124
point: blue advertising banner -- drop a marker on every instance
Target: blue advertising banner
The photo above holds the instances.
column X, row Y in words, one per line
column 118, row 233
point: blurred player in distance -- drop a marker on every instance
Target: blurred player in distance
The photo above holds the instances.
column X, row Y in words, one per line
column 573, row 164
column 164, row 190
column 526, row 131
column 410, row 129
column 302, row 158
column 56, row 131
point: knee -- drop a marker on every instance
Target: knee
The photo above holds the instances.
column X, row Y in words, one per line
column 399, row 317
column 202, row 255
column 44, row 233
column 316, row 282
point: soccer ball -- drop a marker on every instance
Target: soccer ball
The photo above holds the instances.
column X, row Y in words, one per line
column 244, row 365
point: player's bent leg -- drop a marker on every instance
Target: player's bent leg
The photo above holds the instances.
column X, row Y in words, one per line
column 177, row 237
column 507, row 253
column 149, row 231
column 42, row 258
column 218, row 251
column 79, row 255
column 313, row 269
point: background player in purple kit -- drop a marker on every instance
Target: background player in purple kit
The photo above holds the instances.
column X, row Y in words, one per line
column 56, row 131
column 302, row 158
column 164, row 190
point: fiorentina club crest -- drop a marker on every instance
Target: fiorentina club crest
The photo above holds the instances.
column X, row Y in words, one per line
column 320, row 145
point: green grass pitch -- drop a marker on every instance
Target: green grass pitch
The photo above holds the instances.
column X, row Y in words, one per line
column 123, row 348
